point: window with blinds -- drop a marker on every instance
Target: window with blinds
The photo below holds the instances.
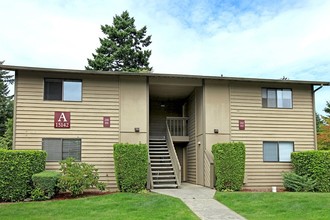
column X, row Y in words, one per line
column 59, row 149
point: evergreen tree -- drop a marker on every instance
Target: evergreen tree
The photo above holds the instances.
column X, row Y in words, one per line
column 6, row 107
column 6, row 142
column 319, row 122
column 327, row 109
column 122, row 49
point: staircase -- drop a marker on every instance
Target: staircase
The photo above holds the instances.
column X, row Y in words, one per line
column 161, row 166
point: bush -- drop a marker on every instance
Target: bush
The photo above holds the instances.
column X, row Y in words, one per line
column 77, row 177
column 229, row 163
column 315, row 165
column 294, row 182
column 46, row 181
column 38, row 195
column 131, row 166
column 16, row 169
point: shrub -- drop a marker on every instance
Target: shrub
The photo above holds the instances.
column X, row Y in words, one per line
column 131, row 166
column 229, row 163
column 315, row 165
column 38, row 194
column 16, row 169
column 46, row 181
column 296, row 183
column 77, row 177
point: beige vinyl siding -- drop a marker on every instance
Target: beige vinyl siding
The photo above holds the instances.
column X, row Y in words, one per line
column 35, row 118
column 270, row 124
column 191, row 147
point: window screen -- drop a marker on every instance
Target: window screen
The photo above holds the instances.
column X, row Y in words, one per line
column 53, row 89
column 53, row 147
column 270, row 151
column 59, row 149
column 71, row 148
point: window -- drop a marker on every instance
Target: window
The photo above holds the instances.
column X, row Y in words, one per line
column 59, row 149
column 276, row 98
column 63, row 90
column 277, row 151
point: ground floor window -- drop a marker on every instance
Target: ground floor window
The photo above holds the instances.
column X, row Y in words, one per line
column 59, row 149
column 277, row 151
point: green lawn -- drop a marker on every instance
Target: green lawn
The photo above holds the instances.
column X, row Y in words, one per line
column 113, row 206
column 278, row 205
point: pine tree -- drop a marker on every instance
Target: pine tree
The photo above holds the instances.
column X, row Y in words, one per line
column 327, row 109
column 5, row 100
column 122, row 49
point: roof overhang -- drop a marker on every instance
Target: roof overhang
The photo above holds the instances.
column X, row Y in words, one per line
column 97, row 72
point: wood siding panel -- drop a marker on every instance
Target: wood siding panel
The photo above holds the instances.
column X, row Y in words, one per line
column 270, row 124
column 35, row 118
column 191, row 147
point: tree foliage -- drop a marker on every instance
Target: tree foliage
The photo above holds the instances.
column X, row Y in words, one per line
column 319, row 122
column 323, row 137
column 122, row 48
column 6, row 106
column 323, row 129
column 6, row 141
column 327, row 109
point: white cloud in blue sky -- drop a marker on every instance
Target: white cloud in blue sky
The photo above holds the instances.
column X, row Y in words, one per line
column 266, row 39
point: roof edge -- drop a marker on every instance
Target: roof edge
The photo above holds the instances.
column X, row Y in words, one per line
column 98, row 72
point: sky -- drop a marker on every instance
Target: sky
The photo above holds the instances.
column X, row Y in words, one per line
column 249, row 38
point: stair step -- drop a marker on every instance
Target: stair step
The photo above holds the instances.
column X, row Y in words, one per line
column 161, row 164
column 161, row 159
column 163, row 180
column 159, row 156
column 161, row 172
column 159, row 186
column 163, row 176
column 162, row 168
column 158, row 149
column 159, row 152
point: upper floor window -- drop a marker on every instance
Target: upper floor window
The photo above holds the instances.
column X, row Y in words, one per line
column 63, row 90
column 276, row 98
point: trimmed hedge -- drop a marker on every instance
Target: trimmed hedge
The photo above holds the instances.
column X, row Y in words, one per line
column 16, row 170
column 229, row 163
column 46, row 181
column 315, row 165
column 131, row 166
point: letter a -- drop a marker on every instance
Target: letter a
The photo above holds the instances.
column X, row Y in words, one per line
column 62, row 116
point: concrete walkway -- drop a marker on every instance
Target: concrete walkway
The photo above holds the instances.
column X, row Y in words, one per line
column 200, row 200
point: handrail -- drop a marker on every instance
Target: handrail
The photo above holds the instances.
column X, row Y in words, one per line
column 210, row 161
column 174, row 156
column 178, row 126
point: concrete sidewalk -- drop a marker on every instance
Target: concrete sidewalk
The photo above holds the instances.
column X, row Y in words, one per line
column 200, row 200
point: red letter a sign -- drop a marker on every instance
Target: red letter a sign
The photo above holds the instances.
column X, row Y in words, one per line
column 62, row 120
